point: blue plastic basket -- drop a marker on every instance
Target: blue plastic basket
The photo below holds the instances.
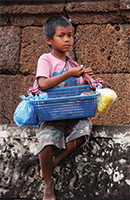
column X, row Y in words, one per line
column 66, row 103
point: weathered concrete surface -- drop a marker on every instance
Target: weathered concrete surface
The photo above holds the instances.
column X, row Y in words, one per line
column 98, row 170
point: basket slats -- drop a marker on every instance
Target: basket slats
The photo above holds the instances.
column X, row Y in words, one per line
column 66, row 103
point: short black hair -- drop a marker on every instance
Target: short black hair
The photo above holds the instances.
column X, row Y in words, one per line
column 51, row 24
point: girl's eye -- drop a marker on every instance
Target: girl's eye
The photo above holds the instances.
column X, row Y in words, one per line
column 60, row 35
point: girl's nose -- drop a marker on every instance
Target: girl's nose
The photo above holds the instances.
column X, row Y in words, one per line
column 66, row 38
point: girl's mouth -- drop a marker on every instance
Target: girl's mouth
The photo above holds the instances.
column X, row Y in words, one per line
column 66, row 46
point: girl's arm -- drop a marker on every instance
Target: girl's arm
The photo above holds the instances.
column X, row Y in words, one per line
column 47, row 83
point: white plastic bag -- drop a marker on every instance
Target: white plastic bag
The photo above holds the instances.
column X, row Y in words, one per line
column 105, row 100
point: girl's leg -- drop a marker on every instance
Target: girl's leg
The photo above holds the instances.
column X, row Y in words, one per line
column 46, row 160
column 70, row 147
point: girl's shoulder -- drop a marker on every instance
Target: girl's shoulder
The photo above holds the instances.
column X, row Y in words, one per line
column 45, row 56
column 48, row 57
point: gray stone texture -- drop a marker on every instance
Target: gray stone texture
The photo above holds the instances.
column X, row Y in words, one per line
column 97, row 170
column 101, row 33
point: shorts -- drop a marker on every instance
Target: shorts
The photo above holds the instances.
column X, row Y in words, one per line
column 58, row 133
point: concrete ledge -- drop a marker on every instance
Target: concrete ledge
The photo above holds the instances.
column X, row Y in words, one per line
column 98, row 170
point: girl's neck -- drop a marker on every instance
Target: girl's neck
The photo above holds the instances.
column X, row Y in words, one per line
column 61, row 56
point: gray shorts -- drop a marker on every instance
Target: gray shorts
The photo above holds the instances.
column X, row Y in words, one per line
column 58, row 133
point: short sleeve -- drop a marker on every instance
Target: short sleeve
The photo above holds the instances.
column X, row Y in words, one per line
column 43, row 66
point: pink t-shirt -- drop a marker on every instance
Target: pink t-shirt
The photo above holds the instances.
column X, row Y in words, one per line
column 50, row 66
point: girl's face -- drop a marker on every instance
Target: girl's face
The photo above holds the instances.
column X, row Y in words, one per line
column 62, row 40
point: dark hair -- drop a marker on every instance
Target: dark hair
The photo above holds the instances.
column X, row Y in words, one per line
column 51, row 24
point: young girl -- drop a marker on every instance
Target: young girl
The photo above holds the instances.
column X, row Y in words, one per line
column 55, row 70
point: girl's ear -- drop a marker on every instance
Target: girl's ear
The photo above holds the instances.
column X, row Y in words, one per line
column 48, row 40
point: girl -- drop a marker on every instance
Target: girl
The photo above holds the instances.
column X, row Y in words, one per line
column 55, row 70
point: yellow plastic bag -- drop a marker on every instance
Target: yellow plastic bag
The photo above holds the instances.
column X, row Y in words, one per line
column 105, row 100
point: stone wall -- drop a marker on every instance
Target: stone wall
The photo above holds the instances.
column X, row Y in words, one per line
column 98, row 170
column 100, row 40
column 101, row 169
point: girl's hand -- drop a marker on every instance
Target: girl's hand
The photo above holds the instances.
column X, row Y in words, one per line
column 76, row 72
column 89, row 71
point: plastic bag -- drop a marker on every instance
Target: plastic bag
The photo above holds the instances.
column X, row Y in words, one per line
column 105, row 100
column 25, row 114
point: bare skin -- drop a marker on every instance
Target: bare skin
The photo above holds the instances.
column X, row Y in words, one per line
column 49, row 191
column 70, row 147
column 46, row 160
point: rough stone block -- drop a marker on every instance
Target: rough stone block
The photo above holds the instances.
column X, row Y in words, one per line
column 105, row 48
column 11, row 89
column 3, row 20
column 69, row 1
column 89, row 1
column 28, row 15
column 97, row 12
column 124, row 4
column 10, row 49
column 28, row 2
column 32, row 46
column 32, row 9
column 125, row 10
column 95, row 18
column 28, row 20
column 126, row 16
column 119, row 112
column 100, row 6
column 2, row 10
